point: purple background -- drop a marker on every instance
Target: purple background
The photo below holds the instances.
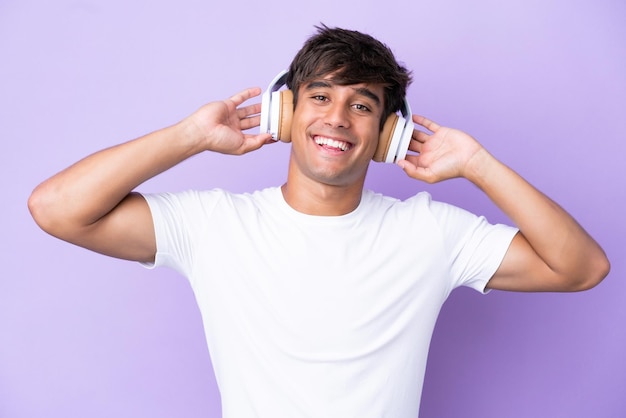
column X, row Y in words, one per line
column 541, row 83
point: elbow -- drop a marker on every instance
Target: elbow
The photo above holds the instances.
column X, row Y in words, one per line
column 41, row 208
column 37, row 208
column 601, row 271
column 598, row 268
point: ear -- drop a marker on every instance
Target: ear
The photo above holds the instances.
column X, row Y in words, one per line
column 384, row 140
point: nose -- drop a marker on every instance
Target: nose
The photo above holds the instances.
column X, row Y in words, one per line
column 337, row 116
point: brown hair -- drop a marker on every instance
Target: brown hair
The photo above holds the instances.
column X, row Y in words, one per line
column 351, row 57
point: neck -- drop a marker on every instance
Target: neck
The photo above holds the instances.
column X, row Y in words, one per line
column 322, row 199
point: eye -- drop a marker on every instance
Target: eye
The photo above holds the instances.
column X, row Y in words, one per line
column 361, row 107
column 319, row 98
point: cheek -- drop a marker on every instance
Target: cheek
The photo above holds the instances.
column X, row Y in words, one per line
column 298, row 124
column 372, row 135
column 298, row 133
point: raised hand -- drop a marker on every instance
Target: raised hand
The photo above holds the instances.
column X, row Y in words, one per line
column 219, row 125
column 443, row 154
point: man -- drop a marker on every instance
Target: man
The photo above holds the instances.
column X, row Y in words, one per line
column 319, row 298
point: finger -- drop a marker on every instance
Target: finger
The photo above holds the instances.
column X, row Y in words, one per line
column 254, row 142
column 426, row 123
column 251, row 122
column 412, row 169
column 246, row 111
column 244, row 95
column 420, row 136
column 415, row 146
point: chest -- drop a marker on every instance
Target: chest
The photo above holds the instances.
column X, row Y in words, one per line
column 326, row 290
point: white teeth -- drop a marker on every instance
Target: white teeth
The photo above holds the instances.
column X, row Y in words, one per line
column 329, row 142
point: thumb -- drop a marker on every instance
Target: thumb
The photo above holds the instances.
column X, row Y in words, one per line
column 254, row 142
column 414, row 171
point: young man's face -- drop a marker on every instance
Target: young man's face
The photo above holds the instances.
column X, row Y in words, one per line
column 335, row 131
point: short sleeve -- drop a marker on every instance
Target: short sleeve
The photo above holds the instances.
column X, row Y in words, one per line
column 179, row 219
column 476, row 247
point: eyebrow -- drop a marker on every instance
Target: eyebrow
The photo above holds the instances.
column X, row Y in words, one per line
column 363, row 91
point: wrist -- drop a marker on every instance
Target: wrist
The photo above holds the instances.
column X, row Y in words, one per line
column 190, row 136
column 480, row 168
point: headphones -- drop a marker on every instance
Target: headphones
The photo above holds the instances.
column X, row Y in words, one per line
column 277, row 112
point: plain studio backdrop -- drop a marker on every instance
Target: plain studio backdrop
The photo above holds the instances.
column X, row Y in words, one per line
column 541, row 83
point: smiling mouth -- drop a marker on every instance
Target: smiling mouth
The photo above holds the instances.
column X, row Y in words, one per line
column 330, row 143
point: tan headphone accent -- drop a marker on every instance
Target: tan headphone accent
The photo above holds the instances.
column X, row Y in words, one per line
column 384, row 139
column 286, row 113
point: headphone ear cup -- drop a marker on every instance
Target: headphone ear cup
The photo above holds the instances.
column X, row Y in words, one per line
column 285, row 115
column 385, row 137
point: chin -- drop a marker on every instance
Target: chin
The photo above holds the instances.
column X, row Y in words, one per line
column 339, row 178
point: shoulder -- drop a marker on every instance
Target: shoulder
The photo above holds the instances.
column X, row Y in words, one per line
column 422, row 212
column 421, row 201
column 210, row 197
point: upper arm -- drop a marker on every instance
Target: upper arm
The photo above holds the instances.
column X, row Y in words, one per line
column 126, row 232
column 522, row 270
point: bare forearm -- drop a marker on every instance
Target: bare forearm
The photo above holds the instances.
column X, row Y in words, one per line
column 90, row 203
column 86, row 191
column 551, row 253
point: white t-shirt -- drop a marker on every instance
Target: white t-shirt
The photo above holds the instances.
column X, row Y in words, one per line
column 314, row 316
